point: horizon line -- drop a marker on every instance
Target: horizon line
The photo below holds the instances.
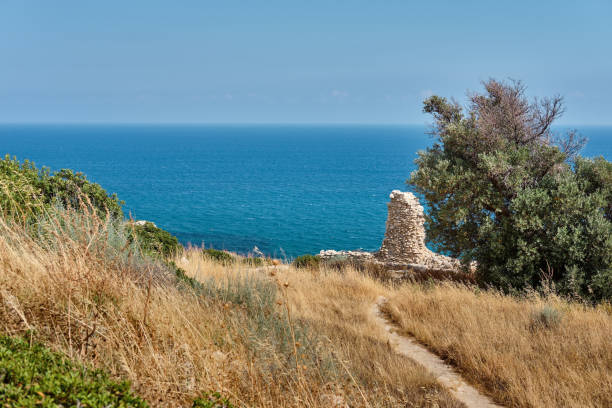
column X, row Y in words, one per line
column 187, row 123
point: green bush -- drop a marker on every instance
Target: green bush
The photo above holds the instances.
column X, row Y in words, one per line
column 69, row 187
column 223, row 257
column 307, row 261
column 26, row 190
column 19, row 194
column 252, row 261
column 156, row 240
column 182, row 277
column 505, row 191
column 32, row 376
column 27, row 193
column 212, row 400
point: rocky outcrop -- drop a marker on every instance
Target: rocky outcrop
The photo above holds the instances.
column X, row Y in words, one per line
column 353, row 256
column 403, row 246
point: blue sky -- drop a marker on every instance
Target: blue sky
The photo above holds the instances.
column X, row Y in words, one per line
column 293, row 61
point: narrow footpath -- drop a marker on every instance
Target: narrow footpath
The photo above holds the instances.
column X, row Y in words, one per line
column 444, row 373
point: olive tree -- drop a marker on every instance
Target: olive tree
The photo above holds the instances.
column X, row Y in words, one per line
column 506, row 191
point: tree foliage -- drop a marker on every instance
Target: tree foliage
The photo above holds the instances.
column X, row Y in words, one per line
column 26, row 190
column 507, row 192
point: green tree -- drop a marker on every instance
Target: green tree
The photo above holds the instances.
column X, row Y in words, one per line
column 505, row 191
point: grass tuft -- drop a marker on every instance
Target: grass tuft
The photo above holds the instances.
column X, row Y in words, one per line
column 546, row 317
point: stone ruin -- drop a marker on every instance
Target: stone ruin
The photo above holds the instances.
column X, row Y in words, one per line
column 404, row 241
column 404, row 244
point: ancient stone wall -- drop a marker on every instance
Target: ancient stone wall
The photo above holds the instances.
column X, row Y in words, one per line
column 403, row 247
column 404, row 241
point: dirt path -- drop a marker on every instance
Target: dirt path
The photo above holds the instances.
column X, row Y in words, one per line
column 444, row 373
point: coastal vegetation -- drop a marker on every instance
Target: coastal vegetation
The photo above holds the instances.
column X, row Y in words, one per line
column 307, row 261
column 26, row 190
column 187, row 327
column 178, row 332
column 507, row 192
column 154, row 240
column 97, row 310
column 219, row 256
column 32, row 376
column 536, row 350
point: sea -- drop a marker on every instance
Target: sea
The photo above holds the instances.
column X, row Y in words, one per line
column 283, row 189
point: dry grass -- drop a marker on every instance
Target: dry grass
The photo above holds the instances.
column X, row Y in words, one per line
column 76, row 284
column 335, row 307
column 281, row 337
column 534, row 352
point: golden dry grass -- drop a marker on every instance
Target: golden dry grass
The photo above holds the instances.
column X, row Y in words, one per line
column 281, row 337
column 335, row 306
column 81, row 289
column 497, row 343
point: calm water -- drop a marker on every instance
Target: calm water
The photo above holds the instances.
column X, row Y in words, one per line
column 285, row 189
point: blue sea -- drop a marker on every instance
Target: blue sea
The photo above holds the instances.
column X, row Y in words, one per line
column 287, row 190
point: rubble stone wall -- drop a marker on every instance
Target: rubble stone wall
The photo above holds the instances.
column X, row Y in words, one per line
column 404, row 241
column 404, row 244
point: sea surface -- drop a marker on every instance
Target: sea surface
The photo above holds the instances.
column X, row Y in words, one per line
column 287, row 190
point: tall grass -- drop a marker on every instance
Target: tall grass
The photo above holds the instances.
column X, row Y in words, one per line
column 277, row 336
column 345, row 349
column 535, row 351
column 75, row 282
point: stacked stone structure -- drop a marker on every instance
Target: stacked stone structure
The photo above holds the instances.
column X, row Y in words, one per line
column 404, row 241
column 403, row 247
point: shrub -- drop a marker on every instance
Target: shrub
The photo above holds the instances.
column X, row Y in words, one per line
column 182, row 277
column 307, row 261
column 252, row 261
column 69, row 188
column 19, row 195
column 156, row 240
column 223, row 257
column 504, row 191
column 32, row 376
column 546, row 317
column 26, row 190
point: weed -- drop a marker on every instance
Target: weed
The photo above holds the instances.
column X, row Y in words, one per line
column 545, row 317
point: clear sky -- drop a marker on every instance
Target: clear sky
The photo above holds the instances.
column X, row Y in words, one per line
column 290, row 61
